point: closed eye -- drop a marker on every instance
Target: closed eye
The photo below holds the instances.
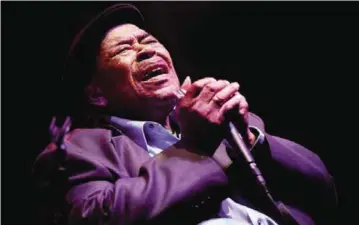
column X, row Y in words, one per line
column 121, row 50
column 149, row 40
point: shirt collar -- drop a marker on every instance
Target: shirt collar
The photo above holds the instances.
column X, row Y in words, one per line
column 133, row 129
column 136, row 130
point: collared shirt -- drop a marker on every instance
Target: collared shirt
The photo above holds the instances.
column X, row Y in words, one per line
column 154, row 138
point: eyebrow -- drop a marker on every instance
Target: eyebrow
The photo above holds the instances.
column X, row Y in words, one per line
column 143, row 36
column 129, row 41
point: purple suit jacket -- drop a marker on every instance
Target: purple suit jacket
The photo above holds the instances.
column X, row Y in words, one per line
column 106, row 178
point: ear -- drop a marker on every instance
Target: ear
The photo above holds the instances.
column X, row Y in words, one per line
column 95, row 96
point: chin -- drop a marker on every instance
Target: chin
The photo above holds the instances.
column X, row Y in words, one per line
column 167, row 92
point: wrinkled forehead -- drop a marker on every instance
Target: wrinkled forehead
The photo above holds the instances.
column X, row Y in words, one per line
column 124, row 31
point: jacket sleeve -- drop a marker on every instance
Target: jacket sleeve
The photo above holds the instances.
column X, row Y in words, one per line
column 100, row 191
column 296, row 177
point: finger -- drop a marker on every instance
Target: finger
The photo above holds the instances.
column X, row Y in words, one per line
column 52, row 124
column 226, row 81
column 243, row 105
column 210, row 89
column 67, row 124
column 234, row 106
column 202, row 82
column 186, row 83
column 226, row 93
column 197, row 86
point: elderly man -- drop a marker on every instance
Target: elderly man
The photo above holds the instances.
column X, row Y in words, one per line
column 143, row 156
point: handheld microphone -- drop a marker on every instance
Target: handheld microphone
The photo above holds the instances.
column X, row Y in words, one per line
column 280, row 210
column 240, row 144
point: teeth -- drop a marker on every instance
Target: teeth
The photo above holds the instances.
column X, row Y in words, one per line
column 157, row 70
column 154, row 72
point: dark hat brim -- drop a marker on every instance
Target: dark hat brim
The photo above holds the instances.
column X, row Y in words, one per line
column 114, row 15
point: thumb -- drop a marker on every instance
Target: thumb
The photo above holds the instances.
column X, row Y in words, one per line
column 186, row 83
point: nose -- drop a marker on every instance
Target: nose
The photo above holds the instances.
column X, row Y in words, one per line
column 145, row 53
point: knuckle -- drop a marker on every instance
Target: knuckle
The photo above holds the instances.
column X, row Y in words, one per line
column 241, row 97
column 211, row 86
column 226, row 82
column 237, row 98
column 228, row 106
column 232, row 91
column 197, row 84
column 223, row 83
column 244, row 105
column 204, row 81
column 244, row 100
column 235, row 85
column 209, row 79
column 243, row 111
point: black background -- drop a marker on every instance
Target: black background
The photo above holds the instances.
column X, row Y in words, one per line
column 296, row 62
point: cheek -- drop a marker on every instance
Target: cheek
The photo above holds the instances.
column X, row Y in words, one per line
column 116, row 77
column 168, row 58
column 127, row 86
column 122, row 91
column 118, row 71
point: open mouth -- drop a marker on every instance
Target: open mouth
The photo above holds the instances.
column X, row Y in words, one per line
column 154, row 71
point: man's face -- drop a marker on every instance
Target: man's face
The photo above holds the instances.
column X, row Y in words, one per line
column 134, row 70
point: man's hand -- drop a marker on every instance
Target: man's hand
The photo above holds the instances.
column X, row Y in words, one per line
column 235, row 109
column 206, row 109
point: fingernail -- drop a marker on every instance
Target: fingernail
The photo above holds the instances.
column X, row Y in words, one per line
column 187, row 79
